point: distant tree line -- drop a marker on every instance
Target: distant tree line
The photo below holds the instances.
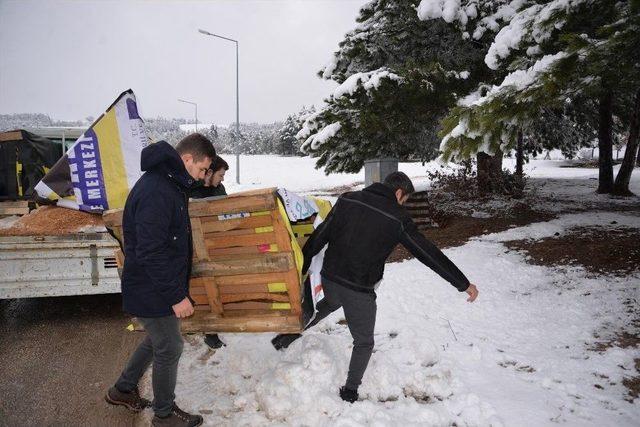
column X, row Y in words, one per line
column 253, row 138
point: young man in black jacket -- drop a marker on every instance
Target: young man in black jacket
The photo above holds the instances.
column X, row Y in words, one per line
column 212, row 184
column 361, row 231
column 155, row 279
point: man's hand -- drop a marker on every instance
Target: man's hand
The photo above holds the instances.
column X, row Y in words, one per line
column 473, row 292
column 183, row 308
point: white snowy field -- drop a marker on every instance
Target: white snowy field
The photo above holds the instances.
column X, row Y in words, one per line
column 299, row 174
column 519, row 356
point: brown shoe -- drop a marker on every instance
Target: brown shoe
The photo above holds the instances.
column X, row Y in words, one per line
column 177, row 418
column 131, row 400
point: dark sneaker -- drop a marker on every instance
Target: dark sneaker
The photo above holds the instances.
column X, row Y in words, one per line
column 284, row 340
column 348, row 395
column 177, row 418
column 131, row 400
column 213, row 341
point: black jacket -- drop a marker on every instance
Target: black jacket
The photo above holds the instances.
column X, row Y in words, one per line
column 157, row 235
column 362, row 229
column 199, row 191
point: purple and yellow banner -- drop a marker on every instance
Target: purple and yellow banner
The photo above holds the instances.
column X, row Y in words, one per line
column 100, row 168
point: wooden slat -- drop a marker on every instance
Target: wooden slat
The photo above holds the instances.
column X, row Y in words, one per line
column 257, row 192
column 292, row 277
column 199, row 281
column 250, row 313
column 233, row 241
column 246, row 264
column 13, row 211
column 228, row 298
column 204, row 321
column 11, row 136
column 232, row 205
column 204, row 290
column 19, row 204
column 241, row 231
column 197, row 290
column 214, row 296
column 282, row 237
column 251, row 305
column 200, row 299
column 240, row 250
column 251, row 279
column 199, row 245
column 212, row 224
column 239, row 289
column 293, row 290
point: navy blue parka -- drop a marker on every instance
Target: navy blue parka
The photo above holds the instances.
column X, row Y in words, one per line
column 157, row 235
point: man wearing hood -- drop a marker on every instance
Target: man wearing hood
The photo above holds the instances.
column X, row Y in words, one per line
column 361, row 231
column 155, row 279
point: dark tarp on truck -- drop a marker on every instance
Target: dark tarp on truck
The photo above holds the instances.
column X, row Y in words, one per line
column 23, row 159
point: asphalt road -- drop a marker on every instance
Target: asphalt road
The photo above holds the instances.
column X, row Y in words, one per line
column 58, row 356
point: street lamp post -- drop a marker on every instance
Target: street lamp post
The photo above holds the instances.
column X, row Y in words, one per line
column 207, row 33
column 195, row 105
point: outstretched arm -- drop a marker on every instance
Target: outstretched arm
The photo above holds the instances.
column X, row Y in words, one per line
column 433, row 258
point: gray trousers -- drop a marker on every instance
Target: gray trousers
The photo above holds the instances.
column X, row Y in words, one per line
column 360, row 313
column 163, row 346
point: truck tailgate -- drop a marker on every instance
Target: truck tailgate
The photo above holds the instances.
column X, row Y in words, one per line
column 74, row 264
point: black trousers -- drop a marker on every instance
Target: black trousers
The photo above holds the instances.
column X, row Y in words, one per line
column 360, row 313
column 162, row 346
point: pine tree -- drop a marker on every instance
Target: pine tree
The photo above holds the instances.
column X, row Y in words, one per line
column 555, row 51
column 398, row 76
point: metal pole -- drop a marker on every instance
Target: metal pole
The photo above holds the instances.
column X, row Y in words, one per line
column 237, row 116
column 207, row 33
column 195, row 105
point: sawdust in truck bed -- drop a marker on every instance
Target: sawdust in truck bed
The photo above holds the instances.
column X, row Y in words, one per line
column 53, row 220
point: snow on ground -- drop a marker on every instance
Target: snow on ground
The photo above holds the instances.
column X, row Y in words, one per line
column 299, row 174
column 519, row 356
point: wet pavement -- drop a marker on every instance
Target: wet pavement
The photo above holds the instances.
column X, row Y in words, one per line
column 58, row 356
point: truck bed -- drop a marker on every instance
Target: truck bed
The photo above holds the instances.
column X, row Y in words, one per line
column 73, row 264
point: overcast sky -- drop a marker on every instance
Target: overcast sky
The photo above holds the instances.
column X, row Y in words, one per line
column 70, row 59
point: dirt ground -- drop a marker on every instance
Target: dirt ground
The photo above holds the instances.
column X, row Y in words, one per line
column 600, row 251
column 455, row 231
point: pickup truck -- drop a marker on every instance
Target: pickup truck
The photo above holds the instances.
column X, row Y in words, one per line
column 69, row 264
